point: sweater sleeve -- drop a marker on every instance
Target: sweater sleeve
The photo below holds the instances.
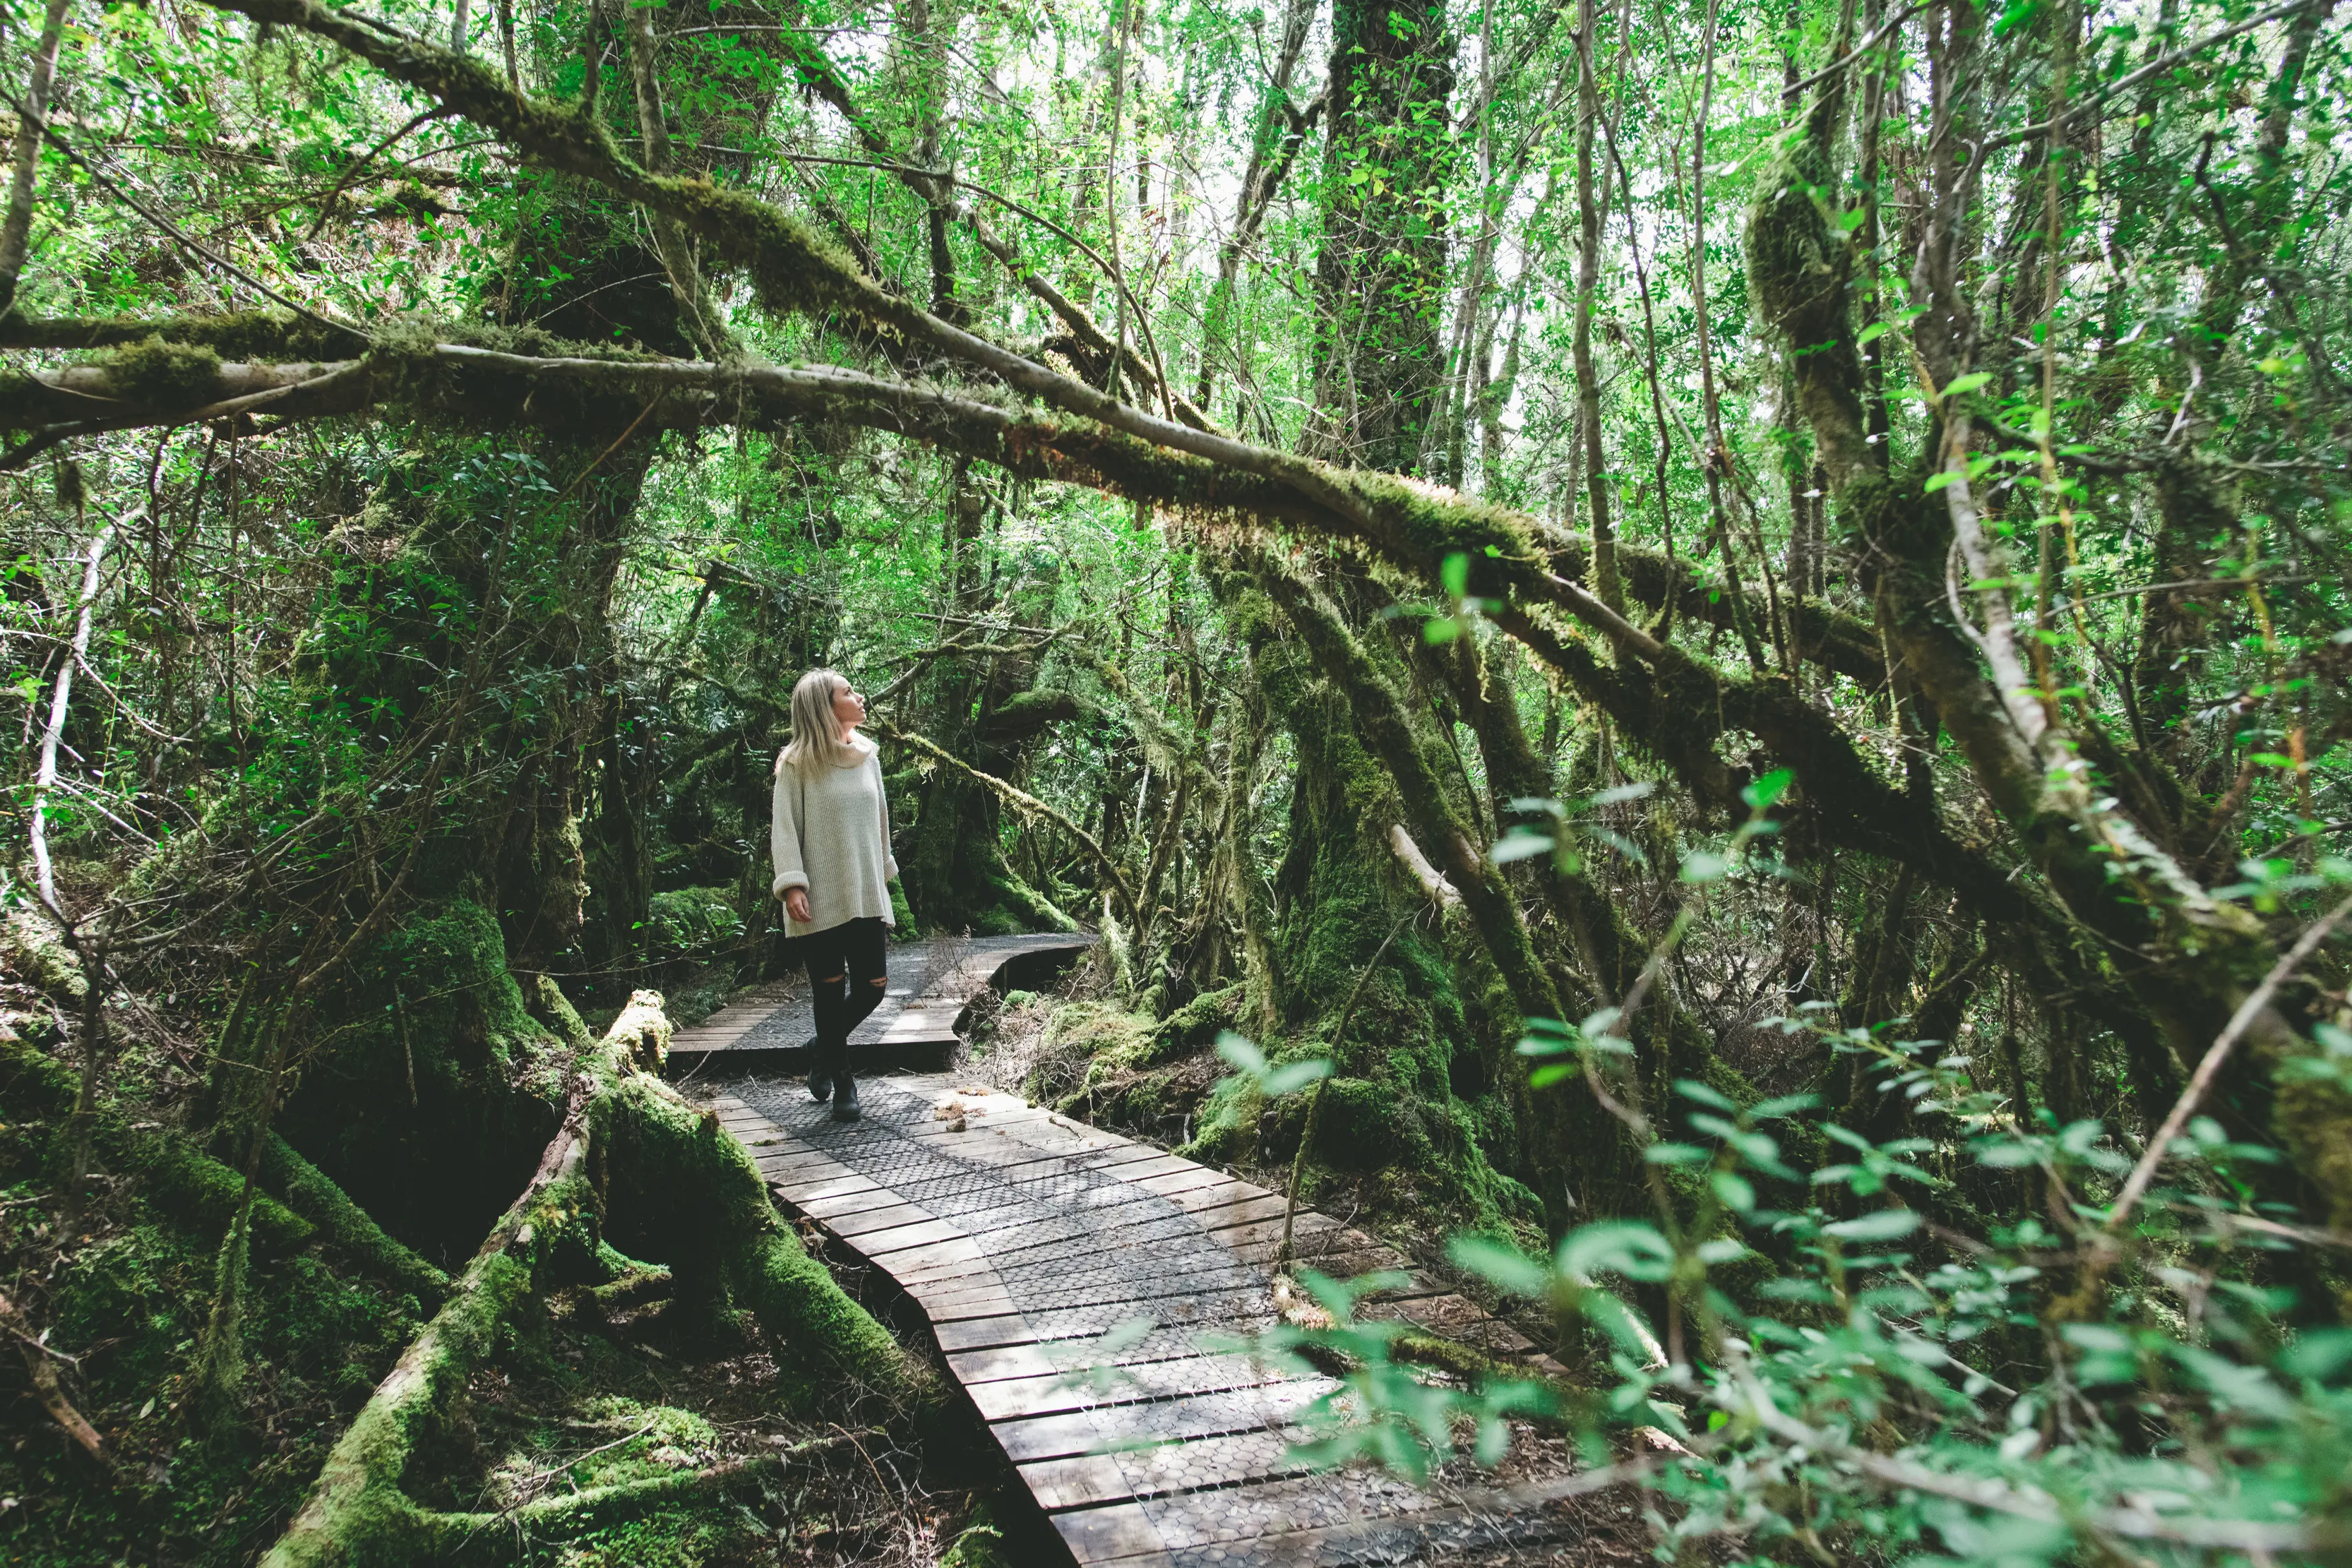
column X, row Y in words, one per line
column 785, row 835
column 882, row 795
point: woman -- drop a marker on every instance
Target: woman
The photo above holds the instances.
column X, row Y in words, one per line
column 832, row 843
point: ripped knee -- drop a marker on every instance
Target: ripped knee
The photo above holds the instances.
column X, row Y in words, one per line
column 829, row 979
column 880, row 981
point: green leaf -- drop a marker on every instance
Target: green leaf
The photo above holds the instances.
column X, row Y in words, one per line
column 1293, row 1076
column 1878, row 1225
column 1963, row 385
column 1761, row 795
column 1504, row 1267
column 1704, row 866
column 1240, row 1054
column 1455, row 575
column 1735, row 1191
column 1705, row 1093
column 1939, row 479
column 1634, row 1247
column 1522, row 844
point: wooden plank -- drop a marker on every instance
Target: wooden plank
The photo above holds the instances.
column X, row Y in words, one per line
column 789, row 1176
column 846, row 1205
column 1085, row 1351
column 1167, row 1167
column 1445, row 1315
column 1241, row 1210
column 975, row 1303
column 1167, row 1422
column 789, row 1158
column 1015, row 1229
column 1153, row 1380
column 1002, row 1362
column 955, row 1266
column 1232, row 1228
column 906, row 1236
column 946, row 1271
column 1103, row 1534
column 1093, row 1480
column 1024, row 1221
column 887, row 1219
column 1173, row 1284
column 763, row 1139
column 984, row 1333
column 1010, row 1156
column 1028, row 1438
column 1184, row 1176
column 851, row 1195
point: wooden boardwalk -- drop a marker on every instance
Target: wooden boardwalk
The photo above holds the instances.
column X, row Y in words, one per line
column 1026, row 1237
column 931, row 983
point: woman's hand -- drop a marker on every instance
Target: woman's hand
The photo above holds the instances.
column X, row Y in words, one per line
column 796, row 904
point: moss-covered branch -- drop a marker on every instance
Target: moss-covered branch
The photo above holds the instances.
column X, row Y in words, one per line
column 629, row 1153
column 180, row 1180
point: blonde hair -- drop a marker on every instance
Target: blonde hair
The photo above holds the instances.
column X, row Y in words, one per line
column 816, row 733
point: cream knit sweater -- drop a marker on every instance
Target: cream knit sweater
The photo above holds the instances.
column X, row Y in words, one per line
column 832, row 835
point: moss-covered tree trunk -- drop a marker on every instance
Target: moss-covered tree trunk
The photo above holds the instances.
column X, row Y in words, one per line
column 1425, row 1082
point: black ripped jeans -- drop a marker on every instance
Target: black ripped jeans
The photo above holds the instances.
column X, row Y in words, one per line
column 849, row 968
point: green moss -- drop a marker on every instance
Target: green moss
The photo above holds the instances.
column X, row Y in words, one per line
column 694, row 925
column 1196, row 1024
column 1225, row 1127
column 435, row 1088
column 182, row 1181
column 347, row 1227
column 683, row 1192
column 450, row 961
column 32, row 949
column 357, row 1513
column 2312, row 1117
column 1367, row 1126
column 796, row 270
column 1107, row 1038
column 250, row 335
column 902, row 917
column 161, row 374
column 205, row 1192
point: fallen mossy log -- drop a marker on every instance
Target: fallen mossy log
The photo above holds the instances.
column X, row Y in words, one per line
column 189, row 1186
column 630, row 1149
column 347, row 1227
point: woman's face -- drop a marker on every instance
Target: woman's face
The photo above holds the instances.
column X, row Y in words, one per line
column 848, row 708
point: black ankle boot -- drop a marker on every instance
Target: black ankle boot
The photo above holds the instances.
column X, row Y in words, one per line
column 819, row 1085
column 845, row 1098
